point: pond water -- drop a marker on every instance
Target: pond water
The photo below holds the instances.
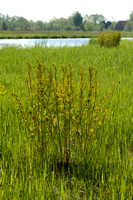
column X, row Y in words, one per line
column 46, row 42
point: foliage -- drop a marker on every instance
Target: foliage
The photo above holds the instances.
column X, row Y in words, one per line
column 77, row 19
column 131, row 16
column 97, row 22
column 4, row 26
column 88, row 26
column 95, row 19
column 129, row 25
column 109, row 39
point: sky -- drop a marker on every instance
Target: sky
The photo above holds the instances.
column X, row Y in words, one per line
column 46, row 10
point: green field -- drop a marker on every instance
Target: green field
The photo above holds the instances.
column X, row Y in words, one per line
column 102, row 170
column 54, row 34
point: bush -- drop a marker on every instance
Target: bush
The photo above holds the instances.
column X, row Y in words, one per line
column 109, row 39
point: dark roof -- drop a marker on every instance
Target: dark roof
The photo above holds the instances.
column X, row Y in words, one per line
column 120, row 25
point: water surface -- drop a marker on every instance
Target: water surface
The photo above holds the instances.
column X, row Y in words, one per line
column 47, row 42
column 44, row 42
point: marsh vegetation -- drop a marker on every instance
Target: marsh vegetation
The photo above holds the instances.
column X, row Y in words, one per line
column 66, row 121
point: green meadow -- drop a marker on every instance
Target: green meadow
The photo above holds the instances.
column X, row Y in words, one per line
column 55, row 34
column 89, row 150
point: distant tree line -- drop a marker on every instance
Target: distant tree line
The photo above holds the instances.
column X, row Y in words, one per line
column 75, row 22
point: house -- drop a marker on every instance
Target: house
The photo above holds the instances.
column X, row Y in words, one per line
column 120, row 25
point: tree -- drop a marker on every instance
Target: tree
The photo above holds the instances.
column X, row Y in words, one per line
column 13, row 23
column 77, row 19
column 100, row 26
column 4, row 26
column 129, row 26
column 107, row 24
column 70, row 22
column 40, row 25
column 88, row 26
column 131, row 16
column 59, row 23
column 33, row 25
column 94, row 22
column 96, row 19
column 112, row 26
column 23, row 24
column 86, row 18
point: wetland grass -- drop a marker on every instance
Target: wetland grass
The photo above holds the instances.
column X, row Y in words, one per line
column 54, row 34
column 106, row 171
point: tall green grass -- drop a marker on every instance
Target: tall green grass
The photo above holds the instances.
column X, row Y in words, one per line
column 107, row 171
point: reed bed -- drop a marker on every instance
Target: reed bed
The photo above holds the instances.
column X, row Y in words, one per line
column 73, row 165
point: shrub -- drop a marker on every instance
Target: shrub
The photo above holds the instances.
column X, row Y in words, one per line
column 109, row 39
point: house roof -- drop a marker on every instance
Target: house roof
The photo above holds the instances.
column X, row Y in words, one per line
column 120, row 25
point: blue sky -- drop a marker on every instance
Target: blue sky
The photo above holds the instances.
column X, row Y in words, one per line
column 46, row 10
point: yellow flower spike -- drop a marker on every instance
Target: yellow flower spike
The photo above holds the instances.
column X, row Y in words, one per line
column 100, row 123
column 92, row 130
column 17, row 106
column 1, row 87
column 54, row 121
column 32, row 134
column 60, row 99
column 109, row 91
column 97, row 108
column 61, row 106
column 106, row 97
column 106, row 111
column 93, row 115
column 73, row 117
